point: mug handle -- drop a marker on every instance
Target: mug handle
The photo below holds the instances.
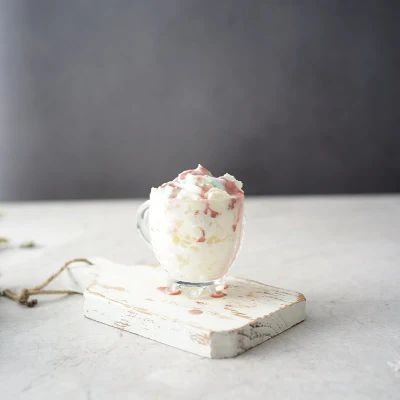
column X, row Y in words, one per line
column 142, row 222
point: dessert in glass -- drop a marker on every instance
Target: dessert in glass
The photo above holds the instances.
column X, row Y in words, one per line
column 194, row 224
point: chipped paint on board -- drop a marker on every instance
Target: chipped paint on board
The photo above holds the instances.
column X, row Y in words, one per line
column 250, row 314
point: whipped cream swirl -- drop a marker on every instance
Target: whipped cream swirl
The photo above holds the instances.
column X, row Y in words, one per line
column 199, row 184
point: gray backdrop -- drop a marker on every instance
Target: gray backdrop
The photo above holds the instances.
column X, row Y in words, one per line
column 102, row 99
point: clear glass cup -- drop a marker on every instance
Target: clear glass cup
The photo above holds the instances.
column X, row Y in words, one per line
column 195, row 241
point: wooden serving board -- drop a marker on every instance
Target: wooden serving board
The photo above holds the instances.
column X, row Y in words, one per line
column 126, row 297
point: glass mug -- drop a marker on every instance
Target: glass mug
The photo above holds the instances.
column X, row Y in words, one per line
column 195, row 241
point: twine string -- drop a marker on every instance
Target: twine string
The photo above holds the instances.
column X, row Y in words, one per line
column 22, row 296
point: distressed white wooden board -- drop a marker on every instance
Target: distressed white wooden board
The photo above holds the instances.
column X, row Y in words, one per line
column 127, row 298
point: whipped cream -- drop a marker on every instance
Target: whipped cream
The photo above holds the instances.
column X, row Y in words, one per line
column 196, row 225
column 200, row 184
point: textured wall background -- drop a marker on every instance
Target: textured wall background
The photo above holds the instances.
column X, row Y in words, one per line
column 103, row 99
